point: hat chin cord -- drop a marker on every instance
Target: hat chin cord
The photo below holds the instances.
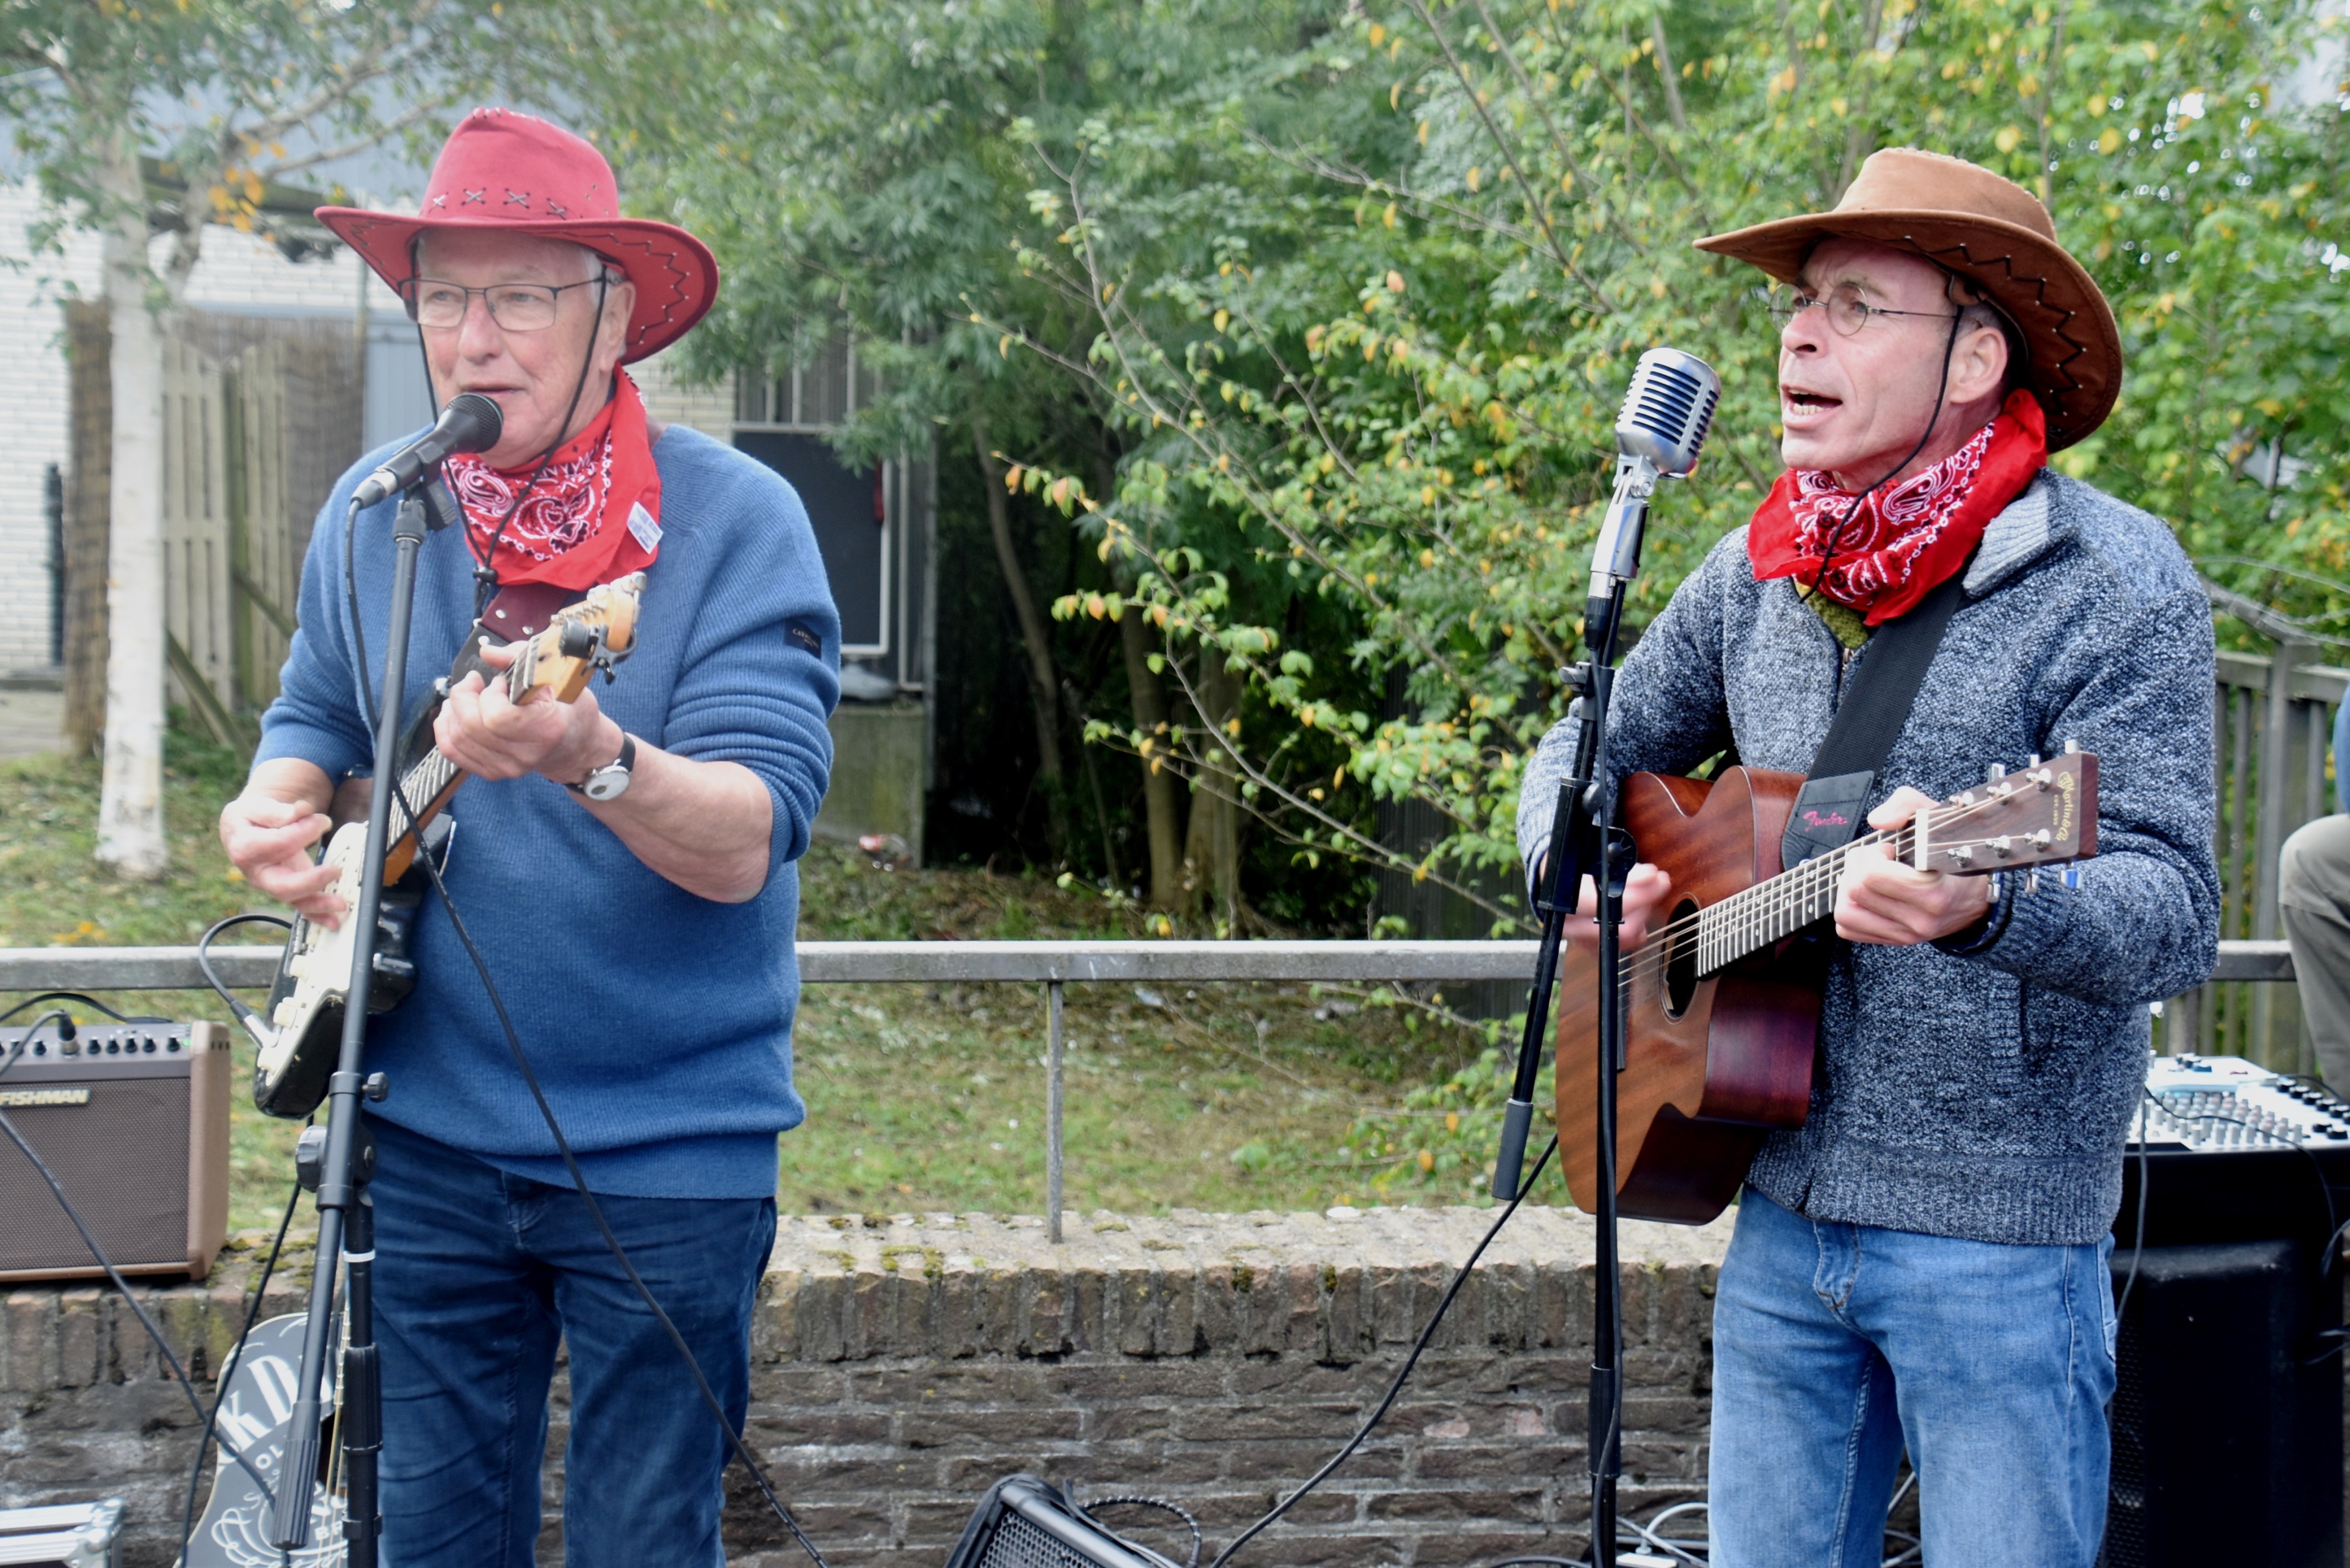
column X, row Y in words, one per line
column 485, row 574
column 1941, row 396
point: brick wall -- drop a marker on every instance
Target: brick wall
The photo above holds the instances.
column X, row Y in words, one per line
column 903, row 1364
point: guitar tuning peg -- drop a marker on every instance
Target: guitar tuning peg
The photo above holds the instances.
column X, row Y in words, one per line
column 2032, row 880
column 2072, row 747
column 1997, row 771
column 2072, row 875
column 2033, row 760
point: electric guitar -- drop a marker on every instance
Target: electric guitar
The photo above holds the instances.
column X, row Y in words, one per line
column 1721, row 1003
column 299, row 1029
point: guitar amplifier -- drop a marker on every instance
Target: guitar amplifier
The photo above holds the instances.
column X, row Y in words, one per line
column 2226, row 1413
column 132, row 1119
column 1023, row 1522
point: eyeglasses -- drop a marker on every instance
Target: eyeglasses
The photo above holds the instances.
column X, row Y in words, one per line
column 1848, row 308
column 517, row 306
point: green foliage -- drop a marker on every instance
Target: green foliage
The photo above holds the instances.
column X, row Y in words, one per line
column 1311, row 319
column 1388, row 367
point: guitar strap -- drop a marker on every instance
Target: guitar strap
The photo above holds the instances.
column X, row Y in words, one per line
column 1876, row 703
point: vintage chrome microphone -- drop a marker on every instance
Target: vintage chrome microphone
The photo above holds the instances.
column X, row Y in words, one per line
column 1666, row 412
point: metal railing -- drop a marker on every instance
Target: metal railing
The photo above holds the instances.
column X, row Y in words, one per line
column 1053, row 965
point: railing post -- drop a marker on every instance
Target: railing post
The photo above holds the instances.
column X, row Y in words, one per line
column 2276, row 752
column 1053, row 1111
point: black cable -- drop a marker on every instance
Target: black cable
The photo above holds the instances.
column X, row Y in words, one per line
column 1396, row 1387
column 16, row 1048
column 114, row 1275
column 596, row 1211
column 2137, row 1242
column 252, row 1311
column 234, row 1002
column 85, row 1000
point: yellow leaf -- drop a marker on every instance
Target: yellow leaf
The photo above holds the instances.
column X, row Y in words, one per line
column 2109, row 142
column 1003, row 346
column 1060, row 491
column 1452, row 1121
column 1389, row 217
column 1428, row 495
column 1223, row 319
column 1232, row 728
column 1395, row 282
column 1012, row 479
column 1394, row 96
column 1476, row 176
column 2009, row 138
column 1378, row 35
column 1567, row 184
column 1428, row 557
column 1095, row 605
column 1427, row 1162
column 1423, row 133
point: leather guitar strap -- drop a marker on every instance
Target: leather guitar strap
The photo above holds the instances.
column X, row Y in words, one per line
column 1875, row 706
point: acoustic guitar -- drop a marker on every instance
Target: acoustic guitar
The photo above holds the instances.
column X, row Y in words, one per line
column 299, row 1029
column 1721, row 1002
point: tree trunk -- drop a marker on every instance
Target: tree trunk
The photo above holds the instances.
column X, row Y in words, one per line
column 130, row 837
column 1043, row 685
column 91, row 349
column 1213, row 853
column 1161, row 802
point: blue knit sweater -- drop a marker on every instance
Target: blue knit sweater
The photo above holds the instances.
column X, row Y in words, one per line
column 1979, row 1087
column 659, row 1023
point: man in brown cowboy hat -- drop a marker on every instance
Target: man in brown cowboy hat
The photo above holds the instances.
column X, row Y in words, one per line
column 1923, row 1264
column 626, row 867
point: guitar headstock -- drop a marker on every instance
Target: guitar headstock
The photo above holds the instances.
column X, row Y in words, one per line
column 2043, row 813
column 595, row 634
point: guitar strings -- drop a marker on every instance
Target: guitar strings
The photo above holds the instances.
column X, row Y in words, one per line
column 1760, row 908
column 1755, row 916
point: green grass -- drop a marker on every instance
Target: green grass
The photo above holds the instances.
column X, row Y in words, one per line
column 920, row 1097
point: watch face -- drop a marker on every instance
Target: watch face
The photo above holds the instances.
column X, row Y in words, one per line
column 606, row 783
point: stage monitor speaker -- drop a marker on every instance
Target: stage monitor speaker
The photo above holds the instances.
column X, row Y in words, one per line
column 132, row 1119
column 1023, row 1522
column 2227, row 1437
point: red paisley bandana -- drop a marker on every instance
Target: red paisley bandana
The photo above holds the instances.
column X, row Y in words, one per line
column 1904, row 542
column 593, row 515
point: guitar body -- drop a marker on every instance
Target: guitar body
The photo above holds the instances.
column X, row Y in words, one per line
column 1711, row 1064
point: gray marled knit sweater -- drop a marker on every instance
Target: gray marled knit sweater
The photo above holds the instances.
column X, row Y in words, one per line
column 1978, row 1088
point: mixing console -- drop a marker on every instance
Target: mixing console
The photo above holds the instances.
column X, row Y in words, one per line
column 2210, row 1104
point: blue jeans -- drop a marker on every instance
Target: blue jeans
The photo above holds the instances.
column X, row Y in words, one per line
column 478, row 1273
column 1834, row 1346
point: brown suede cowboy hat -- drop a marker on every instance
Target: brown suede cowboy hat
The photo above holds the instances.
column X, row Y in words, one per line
column 1991, row 231
column 501, row 170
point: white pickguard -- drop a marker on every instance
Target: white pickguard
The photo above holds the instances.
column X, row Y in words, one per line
column 318, row 959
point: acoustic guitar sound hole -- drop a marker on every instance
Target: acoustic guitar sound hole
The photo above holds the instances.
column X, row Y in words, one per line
column 1680, row 960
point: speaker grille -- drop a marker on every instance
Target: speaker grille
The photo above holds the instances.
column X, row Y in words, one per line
column 123, row 1160
column 1020, row 1544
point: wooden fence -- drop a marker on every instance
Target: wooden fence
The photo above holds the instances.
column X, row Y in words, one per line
column 260, row 416
column 2272, row 776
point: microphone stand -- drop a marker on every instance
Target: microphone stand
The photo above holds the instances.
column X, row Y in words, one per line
column 344, row 1159
column 1585, row 841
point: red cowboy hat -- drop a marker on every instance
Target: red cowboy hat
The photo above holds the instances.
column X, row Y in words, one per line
column 505, row 171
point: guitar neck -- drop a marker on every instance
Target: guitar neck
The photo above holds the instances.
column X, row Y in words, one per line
column 1771, row 910
column 432, row 774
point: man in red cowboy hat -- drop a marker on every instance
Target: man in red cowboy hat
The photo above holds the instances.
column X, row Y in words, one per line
column 1923, row 1264
column 626, row 865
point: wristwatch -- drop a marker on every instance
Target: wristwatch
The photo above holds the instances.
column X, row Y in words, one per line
column 610, row 782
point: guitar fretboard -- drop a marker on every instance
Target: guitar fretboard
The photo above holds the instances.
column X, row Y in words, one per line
column 1747, row 923
column 420, row 785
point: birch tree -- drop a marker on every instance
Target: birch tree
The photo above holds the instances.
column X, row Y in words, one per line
column 100, row 94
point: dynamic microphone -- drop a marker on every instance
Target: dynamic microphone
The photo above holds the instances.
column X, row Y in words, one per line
column 1666, row 412
column 470, row 423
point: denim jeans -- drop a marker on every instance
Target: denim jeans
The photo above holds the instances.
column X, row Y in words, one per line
column 477, row 1275
column 1835, row 1345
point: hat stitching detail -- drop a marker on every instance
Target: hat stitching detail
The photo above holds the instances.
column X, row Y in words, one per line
column 518, row 199
column 475, row 198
